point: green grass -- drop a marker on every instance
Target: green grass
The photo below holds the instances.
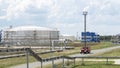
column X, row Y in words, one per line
column 102, row 45
column 115, row 52
column 93, row 46
column 77, row 49
column 4, row 63
column 95, row 64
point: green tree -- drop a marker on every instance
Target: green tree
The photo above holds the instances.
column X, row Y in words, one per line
column 105, row 38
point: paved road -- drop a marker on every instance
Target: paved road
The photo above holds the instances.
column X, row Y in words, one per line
column 37, row 64
column 117, row 62
column 97, row 51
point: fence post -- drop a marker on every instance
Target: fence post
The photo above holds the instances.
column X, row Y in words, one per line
column 27, row 58
column 63, row 62
column 67, row 61
column 41, row 64
column 74, row 61
column 107, row 61
column 53, row 62
column 82, row 61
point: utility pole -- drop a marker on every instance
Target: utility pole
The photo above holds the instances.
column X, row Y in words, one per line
column 77, row 36
column 51, row 49
column 85, row 14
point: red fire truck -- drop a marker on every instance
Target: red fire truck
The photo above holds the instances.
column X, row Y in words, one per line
column 85, row 50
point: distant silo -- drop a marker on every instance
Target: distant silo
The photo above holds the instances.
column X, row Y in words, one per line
column 30, row 35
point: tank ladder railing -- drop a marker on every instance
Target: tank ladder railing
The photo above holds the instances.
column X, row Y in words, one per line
column 32, row 53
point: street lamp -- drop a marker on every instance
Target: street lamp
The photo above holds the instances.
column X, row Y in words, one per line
column 85, row 14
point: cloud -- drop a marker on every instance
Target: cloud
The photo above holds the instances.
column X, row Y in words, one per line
column 13, row 8
column 65, row 28
column 66, row 15
column 16, row 8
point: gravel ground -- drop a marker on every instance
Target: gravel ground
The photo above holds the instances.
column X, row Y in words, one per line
column 37, row 64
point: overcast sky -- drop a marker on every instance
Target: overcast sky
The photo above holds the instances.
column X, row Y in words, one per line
column 66, row 15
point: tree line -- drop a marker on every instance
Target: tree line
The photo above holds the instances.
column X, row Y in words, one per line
column 105, row 38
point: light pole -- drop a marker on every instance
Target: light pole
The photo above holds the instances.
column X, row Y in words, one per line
column 51, row 49
column 85, row 14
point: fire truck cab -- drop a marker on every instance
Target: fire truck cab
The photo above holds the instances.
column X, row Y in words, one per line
column 85, row 50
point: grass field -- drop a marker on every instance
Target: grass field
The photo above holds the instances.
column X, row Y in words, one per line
column 115, row 52
column 4, row 63
column 93, row 45
column 95, row 64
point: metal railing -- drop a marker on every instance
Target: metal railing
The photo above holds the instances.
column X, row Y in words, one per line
column 29, row 51
column 89, row 57
column 22, row 54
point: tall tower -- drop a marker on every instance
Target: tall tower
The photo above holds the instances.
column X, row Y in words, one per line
column 85, row 14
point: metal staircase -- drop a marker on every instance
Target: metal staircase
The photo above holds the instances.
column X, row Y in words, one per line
column 34, row 54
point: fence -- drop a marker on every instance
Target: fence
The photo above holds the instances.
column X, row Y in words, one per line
column 91, row 57
column 68, row 58
column 63, row 59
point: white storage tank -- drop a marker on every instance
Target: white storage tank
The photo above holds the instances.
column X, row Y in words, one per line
column 30, row 35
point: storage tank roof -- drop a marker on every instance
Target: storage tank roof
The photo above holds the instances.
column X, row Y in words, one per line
column 29, row 28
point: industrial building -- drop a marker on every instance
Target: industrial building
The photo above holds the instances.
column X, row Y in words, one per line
column 90, row 37
column 116, row 39
column 30, row 35
column 67, row 37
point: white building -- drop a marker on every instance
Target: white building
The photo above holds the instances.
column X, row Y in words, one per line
column 30, row 35
column 116, row 38
column 67, row 37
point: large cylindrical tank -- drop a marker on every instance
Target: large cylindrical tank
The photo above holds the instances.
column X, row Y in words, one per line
column 30, row 35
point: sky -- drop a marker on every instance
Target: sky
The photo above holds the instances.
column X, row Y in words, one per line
column 66, row 15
